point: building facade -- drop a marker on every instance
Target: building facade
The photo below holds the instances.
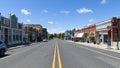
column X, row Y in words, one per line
column 102, row 32
column 115, row 32
column 11, row 30
column 44, row 34
column 30, row 34
column 69, row 34
column 106, row 33
column 39, row 28
column 86, row 34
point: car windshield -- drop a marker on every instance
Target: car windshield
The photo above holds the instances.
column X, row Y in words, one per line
column 59, row 34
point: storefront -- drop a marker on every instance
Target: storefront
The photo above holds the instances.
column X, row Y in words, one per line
column 79, row 37
column 102, row 32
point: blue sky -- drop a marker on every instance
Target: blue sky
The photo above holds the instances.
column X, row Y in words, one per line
column 60, row 15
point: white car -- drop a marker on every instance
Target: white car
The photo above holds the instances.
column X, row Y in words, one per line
column 44, row 40
column 3, row 48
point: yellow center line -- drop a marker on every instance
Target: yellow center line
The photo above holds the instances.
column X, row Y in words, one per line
column 56, row 48
column 54, row 57
column 59, row 58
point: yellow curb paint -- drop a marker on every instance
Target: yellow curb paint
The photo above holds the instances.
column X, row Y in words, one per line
column 54, row 57
column 59, row 58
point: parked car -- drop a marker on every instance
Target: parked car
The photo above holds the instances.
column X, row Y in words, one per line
column 3, row 48
column 44, row 40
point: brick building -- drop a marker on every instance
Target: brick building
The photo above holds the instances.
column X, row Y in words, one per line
column 115, row 32
column 44, row 34
column 86, row 34
column 39, row 28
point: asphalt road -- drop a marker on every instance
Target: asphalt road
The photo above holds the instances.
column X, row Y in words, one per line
column 70, row 55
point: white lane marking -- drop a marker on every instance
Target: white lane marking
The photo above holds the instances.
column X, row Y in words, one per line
column 101, row 53
column 18, row 53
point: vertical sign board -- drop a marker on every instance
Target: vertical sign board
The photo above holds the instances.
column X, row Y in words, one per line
column 118, row 29
column 115, row 28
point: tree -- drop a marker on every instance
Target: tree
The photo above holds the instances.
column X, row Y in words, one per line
column 51, row 36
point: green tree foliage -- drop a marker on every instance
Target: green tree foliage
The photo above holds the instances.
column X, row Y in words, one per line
column 51, row 36
column 59, row 35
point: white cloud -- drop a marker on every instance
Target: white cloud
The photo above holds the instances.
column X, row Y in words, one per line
column 103, row 2
column 28, row 20
column 26, row 12
column 65, row 12
column 84, row 10
column 50, row 22
column 91, row 20
column 56, row 30
column 44, row 11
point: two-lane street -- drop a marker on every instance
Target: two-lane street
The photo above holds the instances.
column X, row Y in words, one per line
column 70, row 55
column 35, row 56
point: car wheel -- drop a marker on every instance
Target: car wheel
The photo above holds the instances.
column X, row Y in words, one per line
column 2, row 52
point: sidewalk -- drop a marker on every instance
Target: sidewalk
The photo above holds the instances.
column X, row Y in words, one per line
column 104, row 47
column 20, row 46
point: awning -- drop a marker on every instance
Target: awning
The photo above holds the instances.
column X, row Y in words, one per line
column 79, row 35
column 106, row 30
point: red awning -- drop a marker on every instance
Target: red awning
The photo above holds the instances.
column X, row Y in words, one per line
column 107, row 30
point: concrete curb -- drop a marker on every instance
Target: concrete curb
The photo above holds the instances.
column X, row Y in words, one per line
column 11, row 48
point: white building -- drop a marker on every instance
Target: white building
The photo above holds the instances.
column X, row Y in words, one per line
column 11, row 30
column 102, row 29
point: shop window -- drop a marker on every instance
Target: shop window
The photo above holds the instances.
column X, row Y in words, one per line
column 105, row 38
column 9, row 38
column 17, row 37
column 20, row 38
column 1, row 37
column 13, row 37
